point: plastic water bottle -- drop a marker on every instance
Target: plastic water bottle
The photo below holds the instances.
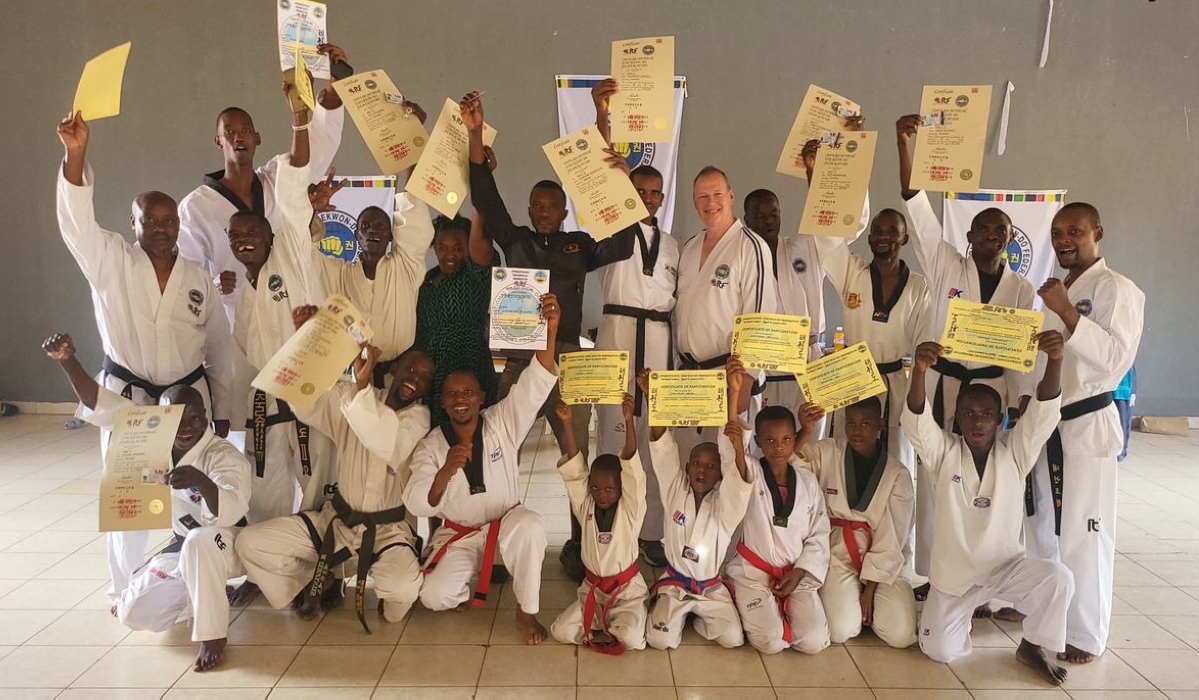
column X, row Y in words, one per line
column 839, row 339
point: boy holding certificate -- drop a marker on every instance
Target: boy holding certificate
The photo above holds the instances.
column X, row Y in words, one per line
column 978, row 551
column 708, row 500
column 783, row 556
column 609, row 499
column 210, row 495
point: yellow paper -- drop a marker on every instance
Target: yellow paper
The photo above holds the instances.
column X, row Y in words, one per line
column 304, row 83
column 842, row 378
column 842, row 179
column 949, row 157
column 515, row 310
column 394, row 137
column 642, row 110
column 316, row 356
column 133, row 490
column 993, row 335
column 99, row 93
column 594, row 376
column 772, row 341
column 602, row 195
column 688, row 398
column 820, row 111
column 441, row 178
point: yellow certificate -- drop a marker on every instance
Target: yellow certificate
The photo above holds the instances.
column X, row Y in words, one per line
column 304, row 83
column 835, row 200
column 642, row 110
column 842, row 378
column 688, row 398
column 315, row 357
column 772, row 341
column 600, row 377
column 441, row 178
column 99, row 92
column 133, row 491
column 820, row 111
column 993, row 335
column 392, row 132
column 603, row 196
column 951, row 138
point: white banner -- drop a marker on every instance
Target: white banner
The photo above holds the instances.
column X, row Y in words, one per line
column 358, row 194
column 576, row 110
column 1030, row 252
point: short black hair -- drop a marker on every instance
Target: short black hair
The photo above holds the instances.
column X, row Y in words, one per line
column 871, row 404
column 758, row 195
column 445, row 223
column 704, row 446
column 607, row 464
column 991, row 210
column 372, row 208
column 247, row 214
column 984, row 391
column 711, row 170
column 771, row 414
column 646, row 171
column 232, row 110
column 549, row 185
column 893, row 212
column 1088, row 209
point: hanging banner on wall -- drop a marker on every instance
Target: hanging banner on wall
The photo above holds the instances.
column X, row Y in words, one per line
column 358, row 194
column 576, row 110
column 1030, row 252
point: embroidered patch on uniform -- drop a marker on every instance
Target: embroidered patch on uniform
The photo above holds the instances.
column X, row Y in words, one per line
column 275, row 283
column 831, row 492
column 853, row 301
column 722, row 272
column 689, row 553
column 799, row 265
column 572, row 248
column 957, row 478
column 982, row 502
column 496, row 454
column 196, row 296
column 661, row 627
column 605, row 538
column 955, row 293
column 680, row 517
column 1084, row 307
column 755, row 603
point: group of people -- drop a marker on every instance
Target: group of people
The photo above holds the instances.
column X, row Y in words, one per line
column 788, row 528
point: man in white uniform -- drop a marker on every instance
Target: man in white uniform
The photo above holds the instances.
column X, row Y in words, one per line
column 468, row 474
column 608, row 614
column 870, row 504
column 156, row 312
column 1102, row 314
column 982, row 277
column 210, row 493
column 978, row 551
column 293, row 558
column 240, row 187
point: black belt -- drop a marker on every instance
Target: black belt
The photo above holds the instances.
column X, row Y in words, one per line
column 366, row 550
column 643, row 315
column 154, row 391
column 687, row 361
column 382, row 369
column 260, row 421
column 1055, row 456
column 949, row 368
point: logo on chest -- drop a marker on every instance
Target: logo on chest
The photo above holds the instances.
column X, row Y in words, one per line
column 982, row 502
column 605, row 538
column 721, row 280
column 689, row 553
column 572, row 249
column 853, row 301
column 799, row 265
column 196, row 297
column 680, row 518
column 957, row 478
column 831, row 492
column 955, row 293
column 275, row 284
column 497, row 454
column 1084, row 307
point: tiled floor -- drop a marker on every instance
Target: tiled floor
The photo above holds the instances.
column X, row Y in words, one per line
column 58, row 640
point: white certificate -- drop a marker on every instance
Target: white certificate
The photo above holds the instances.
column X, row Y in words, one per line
column 642, row 110
column 516, row 322
column 303, row 23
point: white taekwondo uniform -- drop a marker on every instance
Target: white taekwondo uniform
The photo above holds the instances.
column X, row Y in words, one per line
column 481, row 509
column 612, row 595
column 697, row 539
column 978, row 552
column 868, row 539
column 1081, row 532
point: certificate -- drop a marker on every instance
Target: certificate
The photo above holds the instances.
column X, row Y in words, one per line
column 821, row 111
column 599, row 376
column 842, row 179
column 993, row 335
column 393, row 134
column 133, row 490
column 303, row 24
column 99, row 92
column 316, row 356
column 603, row 196
column 304, row 85
column 442, row 175
column 515, row 310
column 642, row 110
column 772, row 341
column 688, row 398
column 952, row 137
column 842, row 378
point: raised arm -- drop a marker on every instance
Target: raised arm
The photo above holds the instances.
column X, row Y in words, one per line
column 601, row 94
column 482, row 252
column 905, row 130
column 810, row 416
column 483, row 191
column 328, row 119
column 61, row 348
column 300, row 151
column 930, row 441
column 1104, row 349
column 1042, row 415
column 570, row 444
column 89, row 244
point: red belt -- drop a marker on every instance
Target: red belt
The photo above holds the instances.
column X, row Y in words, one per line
column 610, row 586
column 776, row 574
column 848, row 527
column 493, row 539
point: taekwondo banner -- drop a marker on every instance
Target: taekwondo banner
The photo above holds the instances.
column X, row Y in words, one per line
column 1030, row 252
column 358, row 194
column 576, row 110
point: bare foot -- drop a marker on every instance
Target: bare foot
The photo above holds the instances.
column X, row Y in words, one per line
column 1075, row 655
column 243, row 594
column 982, row 612
column 1035, row 657
column 212, row 653
column 529, row 628
column 1009, row 615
